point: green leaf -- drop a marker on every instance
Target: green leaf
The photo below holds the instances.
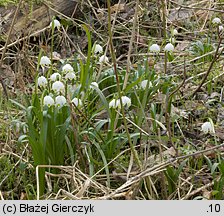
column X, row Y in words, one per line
column 103, row 99
column 18, row 104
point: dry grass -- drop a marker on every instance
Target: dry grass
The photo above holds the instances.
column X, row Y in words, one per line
column 135, row 25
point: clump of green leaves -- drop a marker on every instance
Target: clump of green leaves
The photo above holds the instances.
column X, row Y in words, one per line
column 200, row 48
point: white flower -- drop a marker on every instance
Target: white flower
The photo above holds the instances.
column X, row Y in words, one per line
column 98, row 49
column 45, row 61
column 172, row 40
column 42, row 81
column 216, row 20
column 103, row 59
column 77, row 101
column 115, row 103
column 70, row 76
column 154, row 48
column 169, row 48
column 55, row 76
column 48, row 101
column 67, row 68
column 144, row 84
column 94, row 84
column 221, row 28
column 207, row 127
column 175, row 32
column 56, row 55
column 126, row 101
column 60, row 101
column 57, row 24
column 58, row 87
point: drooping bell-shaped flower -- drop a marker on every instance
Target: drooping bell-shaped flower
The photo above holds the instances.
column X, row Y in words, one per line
column 48, row 101
column 60, row 101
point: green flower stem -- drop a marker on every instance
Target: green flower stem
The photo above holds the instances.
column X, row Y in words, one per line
column 134, row 152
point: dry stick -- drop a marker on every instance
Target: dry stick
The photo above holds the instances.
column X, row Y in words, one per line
column 1, row 196
column 163, row 180
column 25, row 37
column 5, row 47
column 129, row 66
column 198, row 190
column 112, row 29
column 131, row 46
column 20, row 159
column 74, row 122
column 133, row 150
column 73, row 20
column 167, row 116
column 216, row 56
column 73, row 44
column 164, row 20
column 207, row 15
column 158, row 168
column 196, row 8
column 93, row 9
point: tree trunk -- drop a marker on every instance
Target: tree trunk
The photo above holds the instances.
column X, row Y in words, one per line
column 30, row 19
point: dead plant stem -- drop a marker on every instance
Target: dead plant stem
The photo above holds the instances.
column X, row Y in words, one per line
column 119, row 88
column 216, row 56
column 6, row 44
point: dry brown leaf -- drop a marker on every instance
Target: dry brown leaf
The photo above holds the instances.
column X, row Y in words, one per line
column 179, row 112
column 181, row 46
column 83, row 189
column 180, row 14
column 7, row 75
column 117, row 8
column 168, row 154
column 23, row 196
column 207, row 194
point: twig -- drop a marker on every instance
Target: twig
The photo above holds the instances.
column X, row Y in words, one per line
column 168, row 100
column 156, row 169
column 196, row 8
column 164, row 20
column 133, row 150
column 216, row 56
column 131, row 45
column 197, row 190
column 20, row 159
column 5, row 47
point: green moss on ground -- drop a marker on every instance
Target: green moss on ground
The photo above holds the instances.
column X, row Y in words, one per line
column 7, row 2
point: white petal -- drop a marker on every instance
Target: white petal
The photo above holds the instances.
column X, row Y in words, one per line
column 98, row 49
column 175, row 32
column 48, row 101
column 103, row 59
column 144, row 84
column 77, row 102
column 42, row 81
column 169, row 48
column 70, row 76
column 67, row 68
column 58, row 87
column 207, row 128
column 154, row 48
column 45, row 61
column 216, row 20
column 55, row 77
column 57, row 24
column 94, row 84
column 60, row 101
